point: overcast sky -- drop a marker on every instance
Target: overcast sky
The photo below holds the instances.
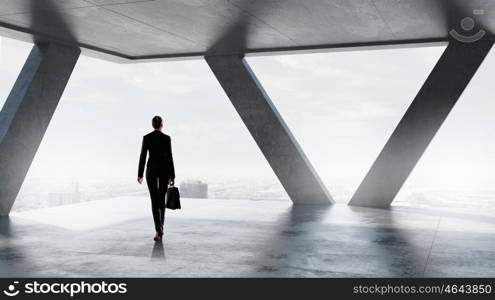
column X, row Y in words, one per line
column 342, row 107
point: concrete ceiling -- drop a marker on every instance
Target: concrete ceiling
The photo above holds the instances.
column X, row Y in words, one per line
column 163, row 29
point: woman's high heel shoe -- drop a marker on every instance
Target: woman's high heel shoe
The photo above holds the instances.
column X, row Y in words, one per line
column 158, row 237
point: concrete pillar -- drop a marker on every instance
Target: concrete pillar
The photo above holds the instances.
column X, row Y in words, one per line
column 418, row 126
column 269, row 130
column 27, row 113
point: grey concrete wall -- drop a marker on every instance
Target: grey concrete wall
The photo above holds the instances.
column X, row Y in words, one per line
column 27, row 112
column 422, row 120
column 269, row 130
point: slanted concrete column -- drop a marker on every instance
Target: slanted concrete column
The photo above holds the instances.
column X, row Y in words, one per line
column 269, row 130
column 27, row 113
column 418, row 126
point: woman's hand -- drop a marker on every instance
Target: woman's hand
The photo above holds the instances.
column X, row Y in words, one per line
column 140, row 180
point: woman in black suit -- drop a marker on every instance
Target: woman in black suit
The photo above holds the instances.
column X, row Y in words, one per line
column 159, row 171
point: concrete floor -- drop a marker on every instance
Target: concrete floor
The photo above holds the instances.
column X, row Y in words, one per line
column 241, row 238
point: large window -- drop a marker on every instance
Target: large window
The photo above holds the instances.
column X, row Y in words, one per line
column 341, row 107
column 90, row 150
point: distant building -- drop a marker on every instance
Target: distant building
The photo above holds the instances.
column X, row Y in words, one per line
column 194, row 189
column 67, row 195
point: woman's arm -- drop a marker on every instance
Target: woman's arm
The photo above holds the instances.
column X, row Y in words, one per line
column 142, row 159
column 171, row 162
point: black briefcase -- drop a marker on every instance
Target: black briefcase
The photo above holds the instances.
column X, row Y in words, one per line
column 173, row 198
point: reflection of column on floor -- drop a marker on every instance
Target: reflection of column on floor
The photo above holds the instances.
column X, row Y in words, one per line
column 269, row 130
column 422, row 120
column 27, row 112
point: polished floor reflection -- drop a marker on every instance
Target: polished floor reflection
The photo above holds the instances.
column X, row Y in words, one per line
column 241, row 238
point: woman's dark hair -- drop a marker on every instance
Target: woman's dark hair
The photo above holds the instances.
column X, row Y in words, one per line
column 157, row 122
